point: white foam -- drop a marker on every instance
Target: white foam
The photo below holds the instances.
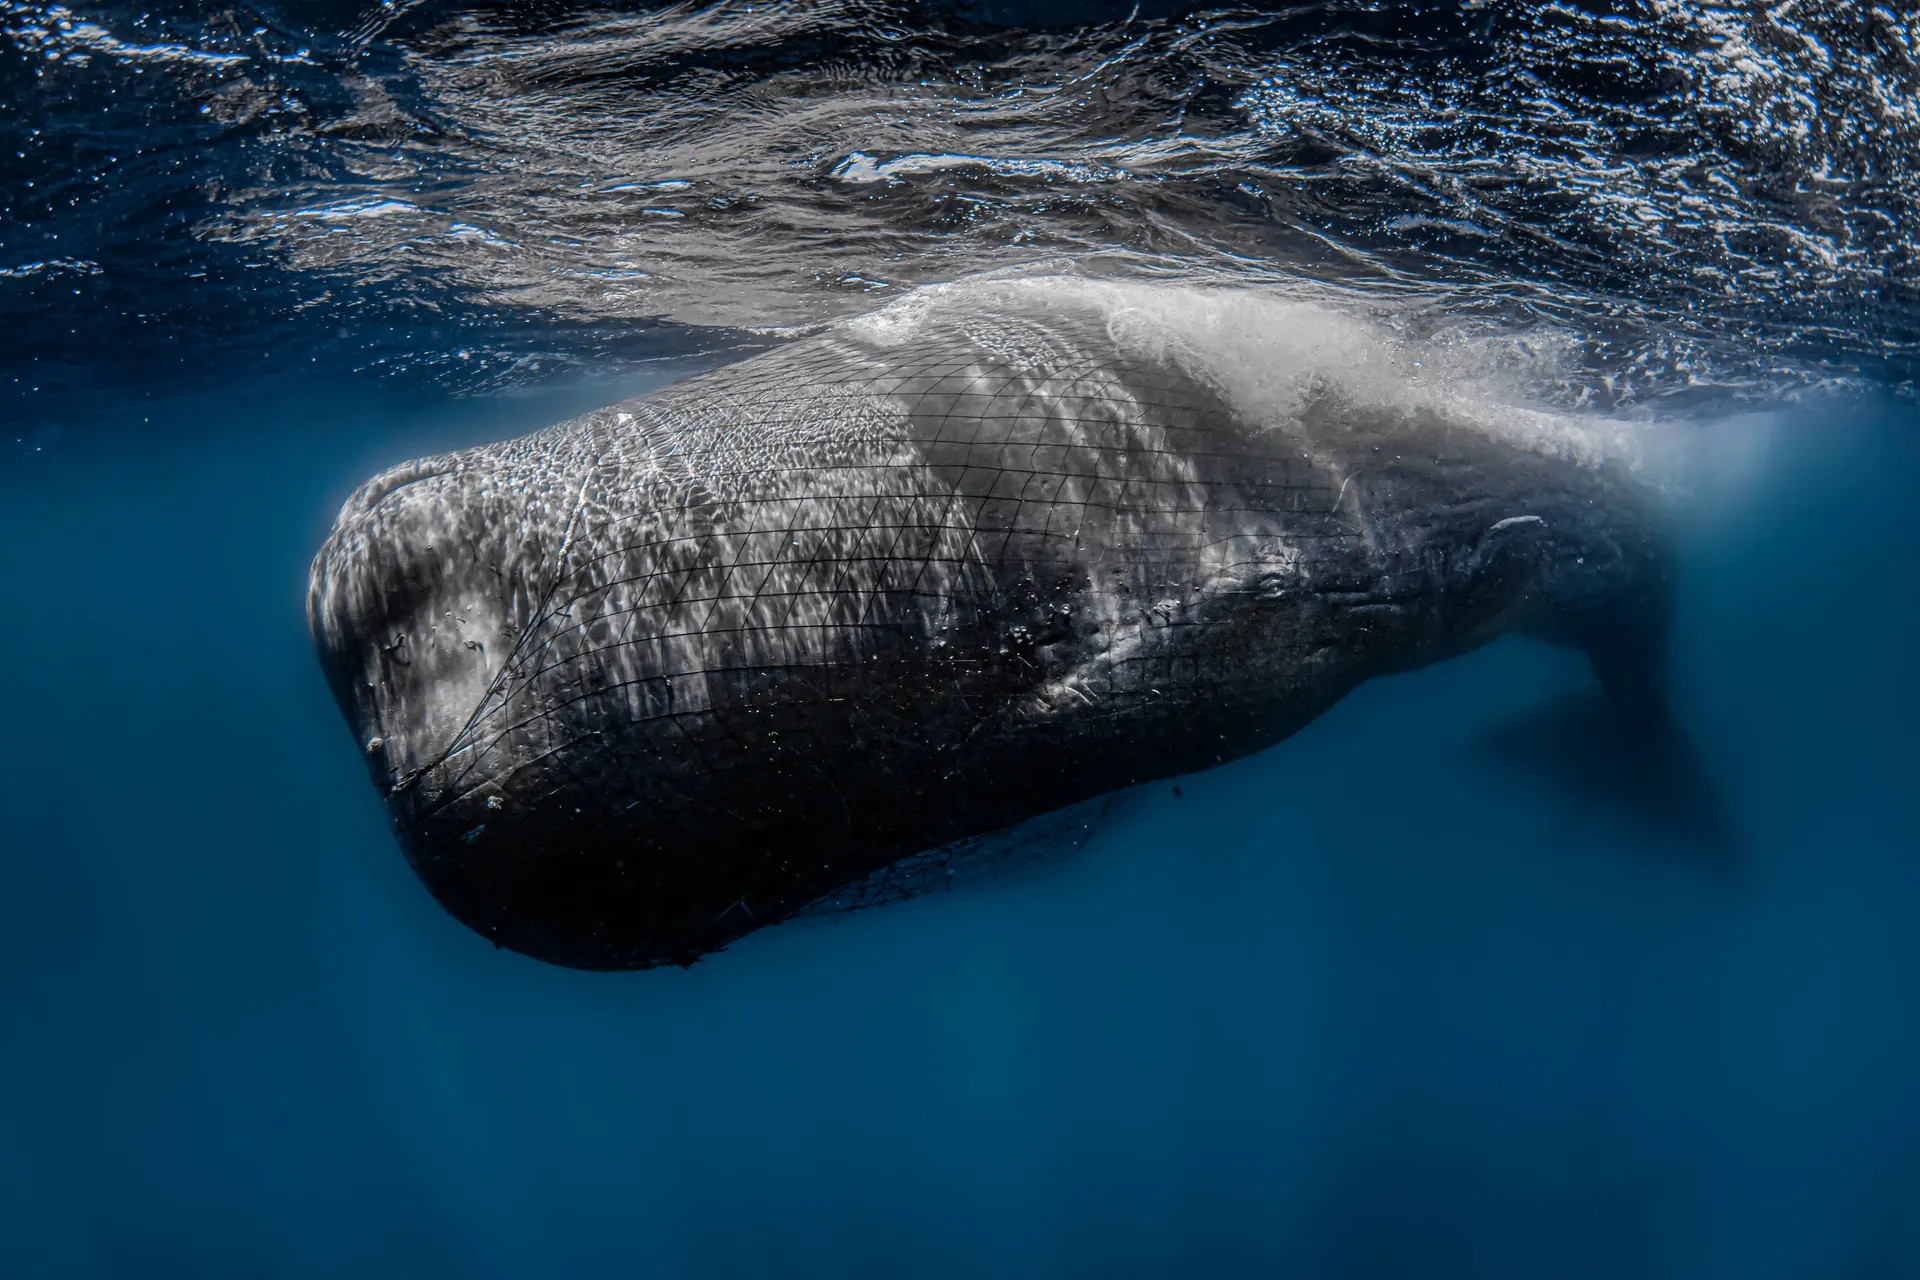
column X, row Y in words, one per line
column 1269, row 354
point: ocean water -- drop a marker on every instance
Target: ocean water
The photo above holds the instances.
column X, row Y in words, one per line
column 1384, row 1000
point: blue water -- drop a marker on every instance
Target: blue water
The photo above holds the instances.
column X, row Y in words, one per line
column 1379, row 1002
column 1368, row 1004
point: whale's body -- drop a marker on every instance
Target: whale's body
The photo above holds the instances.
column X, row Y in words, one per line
column 644, row 681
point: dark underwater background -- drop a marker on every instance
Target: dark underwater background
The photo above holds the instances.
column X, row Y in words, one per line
column 1420, row 992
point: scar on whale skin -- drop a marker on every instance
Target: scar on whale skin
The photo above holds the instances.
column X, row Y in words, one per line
column 820, row 627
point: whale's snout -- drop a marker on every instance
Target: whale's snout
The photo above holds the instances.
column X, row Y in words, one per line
column 406, row 628
column 485, row 716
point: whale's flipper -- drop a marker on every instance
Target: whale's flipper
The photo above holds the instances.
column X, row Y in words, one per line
column 1623, row 751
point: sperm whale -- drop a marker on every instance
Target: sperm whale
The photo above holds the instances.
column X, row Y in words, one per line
column 644, row 681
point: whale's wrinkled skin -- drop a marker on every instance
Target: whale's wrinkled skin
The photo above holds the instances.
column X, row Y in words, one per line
column 642, row 682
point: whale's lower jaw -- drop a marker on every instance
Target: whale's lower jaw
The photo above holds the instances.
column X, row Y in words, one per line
column 641, row 870
column 583, row 898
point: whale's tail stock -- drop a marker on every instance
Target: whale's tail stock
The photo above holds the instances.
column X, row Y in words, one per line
column 1622, row 749
column 1630, row 757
